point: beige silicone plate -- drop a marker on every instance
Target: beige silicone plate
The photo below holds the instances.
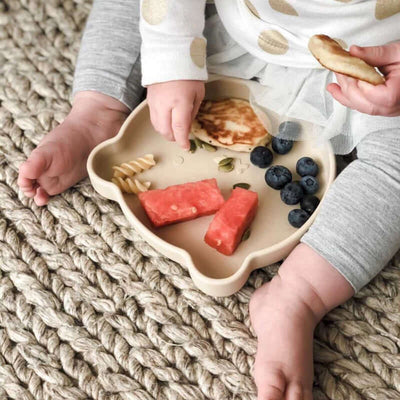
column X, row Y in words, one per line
column 272, row 238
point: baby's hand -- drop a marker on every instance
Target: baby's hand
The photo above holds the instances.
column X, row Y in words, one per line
column 173, row 106
column 369, row 99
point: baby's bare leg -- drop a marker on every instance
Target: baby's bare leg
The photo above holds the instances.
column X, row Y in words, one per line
column 284, row 313
column 354, row 236
column 106, row 86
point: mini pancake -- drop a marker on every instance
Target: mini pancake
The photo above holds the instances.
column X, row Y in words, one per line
column 332, row 56
column 229, row 123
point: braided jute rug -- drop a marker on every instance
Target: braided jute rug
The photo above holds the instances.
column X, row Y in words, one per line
column 88, row 310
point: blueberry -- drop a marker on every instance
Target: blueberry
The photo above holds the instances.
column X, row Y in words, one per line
column 281, row 146
column 309, row 184
column 309, row 204
column 292, row 193
column 278, row 176
column 261, row 156
column 290, row 129
column 307, row 166
column 297, row 217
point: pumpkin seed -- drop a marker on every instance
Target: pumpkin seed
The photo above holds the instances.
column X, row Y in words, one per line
column 199, row 143
column 246, row 235
column 226, row 168
column 193, row 146
column 242, row 185
column 209, row 147
column 225, row 161
column 218, row 159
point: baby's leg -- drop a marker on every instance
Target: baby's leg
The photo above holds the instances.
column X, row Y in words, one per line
column 355, row 234
column 106, row 86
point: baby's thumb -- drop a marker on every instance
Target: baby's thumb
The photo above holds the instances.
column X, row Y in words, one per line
column 378, row 56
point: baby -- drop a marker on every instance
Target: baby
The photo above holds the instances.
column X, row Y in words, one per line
column 334, row 259
column 357, row 230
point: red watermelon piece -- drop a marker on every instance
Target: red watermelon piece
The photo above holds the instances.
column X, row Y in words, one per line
column 182, row 202
column 232, row 219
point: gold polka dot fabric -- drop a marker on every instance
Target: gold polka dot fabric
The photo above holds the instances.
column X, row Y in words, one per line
column 283, row 7
column 281, row 31
column 173, row 46
column 272, row 31
column 387, row 8
column 154, row 11
column 251, row 7
column 273, row 42
column 198, row 52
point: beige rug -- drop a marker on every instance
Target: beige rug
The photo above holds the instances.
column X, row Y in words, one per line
column 89, row 311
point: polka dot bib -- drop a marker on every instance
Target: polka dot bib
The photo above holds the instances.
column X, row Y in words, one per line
column 274, row 31
column 278, row 31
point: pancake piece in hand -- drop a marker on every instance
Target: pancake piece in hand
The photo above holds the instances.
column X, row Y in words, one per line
column 332, row 56
column 229, row 123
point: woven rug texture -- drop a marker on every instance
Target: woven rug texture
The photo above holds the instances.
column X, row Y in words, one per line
column 88, row 310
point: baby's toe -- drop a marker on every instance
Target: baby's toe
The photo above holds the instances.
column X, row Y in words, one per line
column 270, row 385
column 24, row 183
column 41, row 198
column 294, row 391
column 30, row 193
column 31, row 170
column 33, row 167
column 28, row 186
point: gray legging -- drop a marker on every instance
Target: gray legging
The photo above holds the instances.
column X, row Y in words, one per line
column 358, row 227
column 109, row 57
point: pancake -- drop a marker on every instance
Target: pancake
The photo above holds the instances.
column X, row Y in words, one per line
column 229, row 123
column 332, row 56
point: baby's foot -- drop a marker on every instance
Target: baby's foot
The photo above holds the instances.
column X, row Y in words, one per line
column 59, row 161
column 284, row 325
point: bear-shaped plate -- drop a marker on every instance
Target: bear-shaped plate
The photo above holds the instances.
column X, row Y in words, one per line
column 272, row 237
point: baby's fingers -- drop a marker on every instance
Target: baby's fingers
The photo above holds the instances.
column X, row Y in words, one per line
column 386, row 95
column 336, row 92
column 181, row 122
column 161, row 120
column 196, row 107
column 378, row 55
column 349, row 94
column 197, row 102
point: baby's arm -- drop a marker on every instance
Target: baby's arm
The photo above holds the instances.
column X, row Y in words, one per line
column 173, row 63
column 361, row 96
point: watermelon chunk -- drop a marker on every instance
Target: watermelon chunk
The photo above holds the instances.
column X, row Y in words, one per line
column 230, row 222
column 182, row 202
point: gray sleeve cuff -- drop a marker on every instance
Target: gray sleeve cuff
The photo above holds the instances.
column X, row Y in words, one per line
column 129, row 92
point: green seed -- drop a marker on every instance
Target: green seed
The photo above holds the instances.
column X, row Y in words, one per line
column 242, row 185
column 199, row 143
column 193, row 146
column 209, row 147
column 226, row 168
column 246, row 235
column 225, row 161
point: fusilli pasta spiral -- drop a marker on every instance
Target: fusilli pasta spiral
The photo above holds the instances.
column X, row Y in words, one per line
column 130, row 185
column 135, row 166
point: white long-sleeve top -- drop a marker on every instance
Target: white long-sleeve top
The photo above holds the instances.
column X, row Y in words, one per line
column 275, row 31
